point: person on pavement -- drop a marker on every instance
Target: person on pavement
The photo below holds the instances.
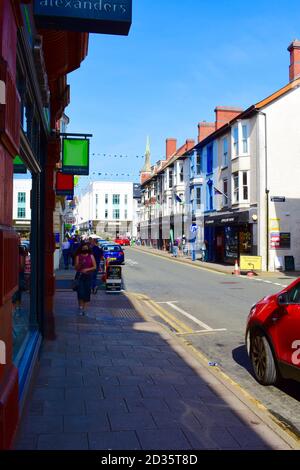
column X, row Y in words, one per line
column 85, row 265
column 98, row 255
column 66, row 247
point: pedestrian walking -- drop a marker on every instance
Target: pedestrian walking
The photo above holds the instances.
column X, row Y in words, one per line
column 85, row 265
column 66, row 251
column 98, row 255
column 175, row 248
column 204, row 250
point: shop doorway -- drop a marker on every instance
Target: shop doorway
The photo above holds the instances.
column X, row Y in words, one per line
column 220, row 245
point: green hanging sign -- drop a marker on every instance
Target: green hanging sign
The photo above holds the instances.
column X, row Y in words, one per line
column 75, row 157
column 19, row 166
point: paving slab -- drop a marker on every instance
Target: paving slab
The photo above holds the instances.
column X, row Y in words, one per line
column 122, row 382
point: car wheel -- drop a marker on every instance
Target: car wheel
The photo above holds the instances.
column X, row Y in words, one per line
column 262, row 359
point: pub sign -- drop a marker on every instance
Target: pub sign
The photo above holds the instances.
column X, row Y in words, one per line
column 93, row 16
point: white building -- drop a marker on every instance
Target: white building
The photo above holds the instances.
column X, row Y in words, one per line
column 21, row 204
column 108, row 206
column 249, row 173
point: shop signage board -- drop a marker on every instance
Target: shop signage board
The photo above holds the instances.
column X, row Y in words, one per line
column 93, row 16
column 278, row 198
column 75, row 156
column 64, row 184
column 250, row 262
column 280, row 240
column 19, row 166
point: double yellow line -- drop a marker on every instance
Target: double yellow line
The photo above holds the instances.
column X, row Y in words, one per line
column 176, row 324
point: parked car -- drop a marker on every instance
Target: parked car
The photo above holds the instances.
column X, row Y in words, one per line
column 273, row 336
column 123, row 241
column 114, row 253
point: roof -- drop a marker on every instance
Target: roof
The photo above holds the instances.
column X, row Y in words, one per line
column 244, row 114
column 165, row 164
column 250, row 111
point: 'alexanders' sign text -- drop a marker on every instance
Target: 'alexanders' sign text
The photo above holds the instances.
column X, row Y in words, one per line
column 93, row 16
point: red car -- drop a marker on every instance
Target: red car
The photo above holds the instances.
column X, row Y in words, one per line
column 122, row 241
column 273, row 336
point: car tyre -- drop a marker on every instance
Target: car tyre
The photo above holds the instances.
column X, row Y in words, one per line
column 262, row 359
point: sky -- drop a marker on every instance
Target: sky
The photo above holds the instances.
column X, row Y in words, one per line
column 180, row 60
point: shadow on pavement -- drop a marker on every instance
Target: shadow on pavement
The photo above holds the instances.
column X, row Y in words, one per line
column 115, row 381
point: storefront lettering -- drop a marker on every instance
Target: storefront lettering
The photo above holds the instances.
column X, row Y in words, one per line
column 2, row 353
column 224, row 221
column 99, row 5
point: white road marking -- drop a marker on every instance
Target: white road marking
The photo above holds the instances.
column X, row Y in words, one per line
column 191, row 317
column 131, row 262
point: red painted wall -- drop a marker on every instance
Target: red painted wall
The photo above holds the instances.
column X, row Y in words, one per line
column 9, row 146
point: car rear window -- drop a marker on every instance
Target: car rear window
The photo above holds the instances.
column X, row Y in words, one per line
column 112, row 248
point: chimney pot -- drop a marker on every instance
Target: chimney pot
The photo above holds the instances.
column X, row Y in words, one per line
column 294, row 50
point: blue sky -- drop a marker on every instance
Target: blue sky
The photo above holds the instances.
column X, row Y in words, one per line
column 180, row 60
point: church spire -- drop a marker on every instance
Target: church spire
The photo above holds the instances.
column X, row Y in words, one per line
column 147, row 165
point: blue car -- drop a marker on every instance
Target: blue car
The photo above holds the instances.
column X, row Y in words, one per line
column 114, row 253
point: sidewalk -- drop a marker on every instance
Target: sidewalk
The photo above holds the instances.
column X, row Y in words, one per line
column 222, row 268
column 119, row 380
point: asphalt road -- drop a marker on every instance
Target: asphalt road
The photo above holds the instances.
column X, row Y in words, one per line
column 216, row 302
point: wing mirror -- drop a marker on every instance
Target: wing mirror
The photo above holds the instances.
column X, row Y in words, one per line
column 282, row 299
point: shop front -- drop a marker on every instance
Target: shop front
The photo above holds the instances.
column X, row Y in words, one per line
column 229, row 236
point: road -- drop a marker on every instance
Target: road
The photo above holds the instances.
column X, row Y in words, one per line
column 214, row 307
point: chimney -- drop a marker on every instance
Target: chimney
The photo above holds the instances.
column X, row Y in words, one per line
column 205, row 129
column 144, row 175
column 294, row 50
column 189, row 144
column 224, row 114
column 171, row 145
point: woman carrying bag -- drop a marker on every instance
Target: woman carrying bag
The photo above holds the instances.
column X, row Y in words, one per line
column 85, row 265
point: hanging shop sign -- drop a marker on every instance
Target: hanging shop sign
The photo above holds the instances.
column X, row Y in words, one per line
column 19, row 166
column 64, row 184
column 94, row 16
column 75, row 157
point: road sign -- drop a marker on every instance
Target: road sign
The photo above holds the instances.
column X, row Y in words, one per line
column 194, row 228
column 278, row 198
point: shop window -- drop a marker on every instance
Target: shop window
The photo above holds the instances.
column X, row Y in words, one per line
column 231, row 243
column 22, row 299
